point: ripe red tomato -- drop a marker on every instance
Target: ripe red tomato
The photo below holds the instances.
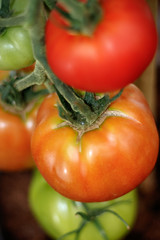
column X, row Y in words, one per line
column 121, row 47
column 15, row 137
column 107, row 162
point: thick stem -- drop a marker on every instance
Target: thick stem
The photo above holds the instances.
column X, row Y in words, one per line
column 49, row 86
column 36, row 30
column 37, row 77
column 12, row 21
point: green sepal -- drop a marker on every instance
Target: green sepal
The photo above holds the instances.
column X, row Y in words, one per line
column 5, row 9
column 67, row 113
column 4, row 12
column 100, row 105
column 50, row 3
column 10, row 95
column 18, row 100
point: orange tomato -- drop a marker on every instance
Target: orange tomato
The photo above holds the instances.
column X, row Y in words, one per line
column 106, row 162
column 3, row 74
column 15, row 137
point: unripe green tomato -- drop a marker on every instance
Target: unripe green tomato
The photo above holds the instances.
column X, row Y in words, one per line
column 15, row 43
column 18, row 6
column 57, row 214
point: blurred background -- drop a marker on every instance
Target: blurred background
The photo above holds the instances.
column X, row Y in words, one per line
column 16, row 219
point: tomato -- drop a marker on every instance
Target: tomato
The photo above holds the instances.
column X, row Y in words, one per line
column 15, row 137
column 28, row 69
column 57, row 214
column 15, row 44
column 106, row 162
column 121, row 47
column 3, row 74
column 18, row 6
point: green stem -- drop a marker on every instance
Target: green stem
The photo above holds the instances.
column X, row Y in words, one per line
column 36, row 30
column 50, row 87
column 75, row 8
column 118, row 216
column 12, row 21
column 91, row 2
column 76, row 232
column 82, row 113
column 100, row 229
column 37, row 77
column 4, row 8
column 35, row 11
column 96, row 222
column 50, row 3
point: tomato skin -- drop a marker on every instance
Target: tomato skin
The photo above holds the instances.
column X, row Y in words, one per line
column 56, row 214
column 120, row 49
column 15, row 137
column 16, row 49
column 18, row 6
column 3, row 74
column 28, row 69
column 107, row 162
column 15, row 43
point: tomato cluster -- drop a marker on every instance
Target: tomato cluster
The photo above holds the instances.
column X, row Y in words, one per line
column 93, row 138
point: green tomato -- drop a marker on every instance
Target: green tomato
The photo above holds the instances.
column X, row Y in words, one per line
column 18, row 6
column 15, row 43
column 57, row 214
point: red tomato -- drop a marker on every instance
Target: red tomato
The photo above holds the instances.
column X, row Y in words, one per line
column 15, row 137
column 107, row 162
column 121, row 47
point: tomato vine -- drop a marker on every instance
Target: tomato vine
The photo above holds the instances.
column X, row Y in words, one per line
column 83, row 111
column 76, row 109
